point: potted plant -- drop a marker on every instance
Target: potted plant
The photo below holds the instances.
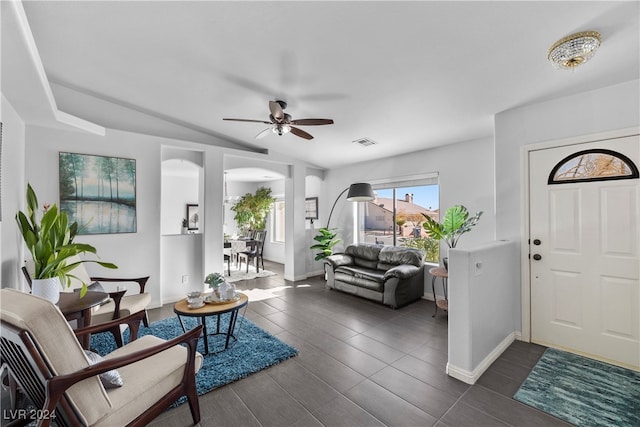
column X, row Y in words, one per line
column 214, row 280
column 455, row 223
column 50, row 242
column 185, row 226
column 252, row 209
column 326, row 239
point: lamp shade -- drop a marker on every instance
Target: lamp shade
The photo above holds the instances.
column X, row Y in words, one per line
column 360, row 192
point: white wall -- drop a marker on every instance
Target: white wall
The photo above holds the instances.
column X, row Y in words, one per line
column 177, row 192
column 465, row 176
column 610, row 108
column 485, row 280
column 136, row 254
column 13, row 195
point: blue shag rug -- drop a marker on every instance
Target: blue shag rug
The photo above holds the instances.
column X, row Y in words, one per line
column 255, row 350
column 582, row 391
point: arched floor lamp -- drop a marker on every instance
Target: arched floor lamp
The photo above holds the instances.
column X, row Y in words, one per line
column 358, row 192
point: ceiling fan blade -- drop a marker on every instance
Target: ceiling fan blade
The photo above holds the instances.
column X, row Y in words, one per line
column 300, row 133
column 311, row 122
column 263, row 133
column 276, row 111
column 249, row 120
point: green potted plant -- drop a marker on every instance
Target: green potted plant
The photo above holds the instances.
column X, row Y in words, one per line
column 326, row 239
column 455, row 223
column 252, row 209
column 215, row 280
column 50, row 242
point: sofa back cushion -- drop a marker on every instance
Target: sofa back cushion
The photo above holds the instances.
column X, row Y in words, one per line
column 390, row 256
column 364, row 254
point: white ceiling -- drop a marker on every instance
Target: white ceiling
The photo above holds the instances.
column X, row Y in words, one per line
column 408, row 75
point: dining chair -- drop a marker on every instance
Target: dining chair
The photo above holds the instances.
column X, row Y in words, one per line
column 227, row 256
column 254, row 252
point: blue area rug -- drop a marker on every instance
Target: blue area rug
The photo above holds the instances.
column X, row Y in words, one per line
column 582, row 391
column 255, row 350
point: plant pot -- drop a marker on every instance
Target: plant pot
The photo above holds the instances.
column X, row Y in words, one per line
column 47, row 288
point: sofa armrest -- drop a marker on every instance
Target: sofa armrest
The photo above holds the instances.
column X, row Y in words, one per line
column 402, row 271
column 337, row 260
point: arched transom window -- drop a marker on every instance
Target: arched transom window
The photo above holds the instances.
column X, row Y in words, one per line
column 593, row 165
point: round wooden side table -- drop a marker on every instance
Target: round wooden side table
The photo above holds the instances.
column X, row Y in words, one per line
column 181, row 308
column 441, row 272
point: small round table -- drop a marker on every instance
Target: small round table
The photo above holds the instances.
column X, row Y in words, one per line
column 79, row 308
column 444, row 275
column 181, row 308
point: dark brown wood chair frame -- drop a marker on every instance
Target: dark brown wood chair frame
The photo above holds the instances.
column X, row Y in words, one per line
column 46, row 391
column 116, row 296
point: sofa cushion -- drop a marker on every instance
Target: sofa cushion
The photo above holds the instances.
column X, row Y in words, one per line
column 364, row 255
column 337, row 260
column 390, row 256
column 359, row 276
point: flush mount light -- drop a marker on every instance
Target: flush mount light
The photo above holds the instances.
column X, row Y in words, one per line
column 571, row 51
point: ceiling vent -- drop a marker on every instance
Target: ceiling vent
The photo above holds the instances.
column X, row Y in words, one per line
column 365, row 142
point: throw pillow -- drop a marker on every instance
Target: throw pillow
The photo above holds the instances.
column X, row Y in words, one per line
column 109, row 379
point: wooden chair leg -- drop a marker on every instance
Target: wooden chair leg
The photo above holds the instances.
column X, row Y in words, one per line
column 145, row 319
column 117, row 335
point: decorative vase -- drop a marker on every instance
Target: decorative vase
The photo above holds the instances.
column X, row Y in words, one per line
column 47, row 288
column 225, row 290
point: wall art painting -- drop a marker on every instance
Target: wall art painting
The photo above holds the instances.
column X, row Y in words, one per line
column 98, row 192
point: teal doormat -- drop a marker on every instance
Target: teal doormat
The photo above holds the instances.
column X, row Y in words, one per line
column 255, row 350
column 582, row 391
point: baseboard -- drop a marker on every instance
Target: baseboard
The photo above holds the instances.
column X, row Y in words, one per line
column 473, row 376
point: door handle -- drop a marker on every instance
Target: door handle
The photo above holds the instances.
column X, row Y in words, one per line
column 537, row 257
column 537, row 242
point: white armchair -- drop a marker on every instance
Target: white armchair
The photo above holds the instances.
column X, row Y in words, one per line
column 50, row 367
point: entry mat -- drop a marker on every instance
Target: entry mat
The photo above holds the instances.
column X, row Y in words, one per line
column 582, row 391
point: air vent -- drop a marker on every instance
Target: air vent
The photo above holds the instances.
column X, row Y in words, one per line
column 365, row 142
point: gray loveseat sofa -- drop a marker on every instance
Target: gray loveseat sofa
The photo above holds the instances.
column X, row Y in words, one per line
column 391, row 275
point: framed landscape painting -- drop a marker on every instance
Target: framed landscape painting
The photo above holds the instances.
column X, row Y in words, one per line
column 98, row 192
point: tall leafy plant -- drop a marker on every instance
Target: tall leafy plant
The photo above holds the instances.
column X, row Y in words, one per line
column 50, row 241
column 252, row 209
column 326, row 241
column 455, row 223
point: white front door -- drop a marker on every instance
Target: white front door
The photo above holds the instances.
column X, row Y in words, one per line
column 584, row 257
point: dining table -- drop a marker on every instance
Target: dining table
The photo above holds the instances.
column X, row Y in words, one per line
column 235, row 246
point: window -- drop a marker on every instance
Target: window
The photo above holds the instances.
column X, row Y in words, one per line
column 396, row 215
column 593, row 165
column 277, row 222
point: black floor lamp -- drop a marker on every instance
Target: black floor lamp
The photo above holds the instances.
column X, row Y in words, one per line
column 358, row 192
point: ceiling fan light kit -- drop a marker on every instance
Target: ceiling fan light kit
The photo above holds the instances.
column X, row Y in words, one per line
column 281, row 122
column 574, row 50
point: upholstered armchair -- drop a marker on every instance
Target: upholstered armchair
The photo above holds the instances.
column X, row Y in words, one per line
column 121, row 302
column 51, row 368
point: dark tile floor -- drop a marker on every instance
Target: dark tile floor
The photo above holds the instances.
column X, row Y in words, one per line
column 359, row 364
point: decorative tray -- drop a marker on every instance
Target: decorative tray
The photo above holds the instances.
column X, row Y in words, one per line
column 213, row 300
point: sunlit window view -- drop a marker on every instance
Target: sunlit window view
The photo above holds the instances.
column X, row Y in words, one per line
column 396, row 215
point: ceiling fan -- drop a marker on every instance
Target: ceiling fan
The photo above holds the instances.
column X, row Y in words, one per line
column 281, row 122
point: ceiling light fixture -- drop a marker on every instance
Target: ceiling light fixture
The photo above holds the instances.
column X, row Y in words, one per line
column 571, row 51
column 281, row 129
